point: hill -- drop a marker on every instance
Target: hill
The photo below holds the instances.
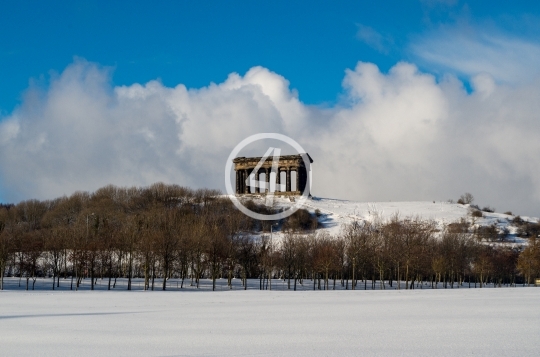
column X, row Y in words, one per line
column 334, row 213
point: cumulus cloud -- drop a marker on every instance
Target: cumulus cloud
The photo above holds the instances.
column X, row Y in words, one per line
column 82, row 133
column 400, row 135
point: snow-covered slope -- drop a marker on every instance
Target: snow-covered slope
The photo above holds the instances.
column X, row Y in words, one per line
column 335, row 213
column 339, row 212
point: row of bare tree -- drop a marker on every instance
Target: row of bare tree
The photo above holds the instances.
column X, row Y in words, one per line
column 166, row 231
column 409, row 252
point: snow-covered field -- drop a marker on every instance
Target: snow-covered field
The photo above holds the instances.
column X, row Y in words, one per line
column 458, row 322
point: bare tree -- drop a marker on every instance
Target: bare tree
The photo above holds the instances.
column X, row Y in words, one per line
column 325, row 256
column 528, row 262
column 289, row 255
column 6, row 242
column 130, row 235
column 247, row 257
column 466, row 198
column 55, row 245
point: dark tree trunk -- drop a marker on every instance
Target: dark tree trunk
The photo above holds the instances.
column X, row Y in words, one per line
column 130, row 269
column 92, row 275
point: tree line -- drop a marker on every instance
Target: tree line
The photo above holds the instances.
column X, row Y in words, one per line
column 168, row 231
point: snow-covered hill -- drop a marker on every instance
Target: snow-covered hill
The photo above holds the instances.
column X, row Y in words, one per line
column 334, row 213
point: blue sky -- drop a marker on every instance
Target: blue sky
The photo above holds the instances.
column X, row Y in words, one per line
column 196, row 43
column 311, row 49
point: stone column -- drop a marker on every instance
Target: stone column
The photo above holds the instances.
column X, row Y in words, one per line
column 246, row 175
column 297, row 179
column 278, row 180
column 268, row 172
column 244, row 185
column 237, row 181
column 303, row 179
column 257, row 188
column 243, row 181
column 288, row 180
column 240, row 181
column 239, row 184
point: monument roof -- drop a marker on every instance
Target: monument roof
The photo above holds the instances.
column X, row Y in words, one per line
column 269, row 158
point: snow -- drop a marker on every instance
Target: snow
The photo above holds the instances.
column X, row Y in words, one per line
column 336, row 213
column 451, row 322
column 341, row 211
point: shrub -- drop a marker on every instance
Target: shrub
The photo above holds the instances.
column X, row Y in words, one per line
column 259, row 208
column 487, row 233
column 508, row 213
column 262, row 209
column 504, row 233
column 476, row 213
column 488, row 209
column 529, row 230
column 466, row 198
column 300, row 220
column 458, row 227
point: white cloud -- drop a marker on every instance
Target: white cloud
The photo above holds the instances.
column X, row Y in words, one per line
column 399, row 135
column 374, row 39
column 473, row 49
